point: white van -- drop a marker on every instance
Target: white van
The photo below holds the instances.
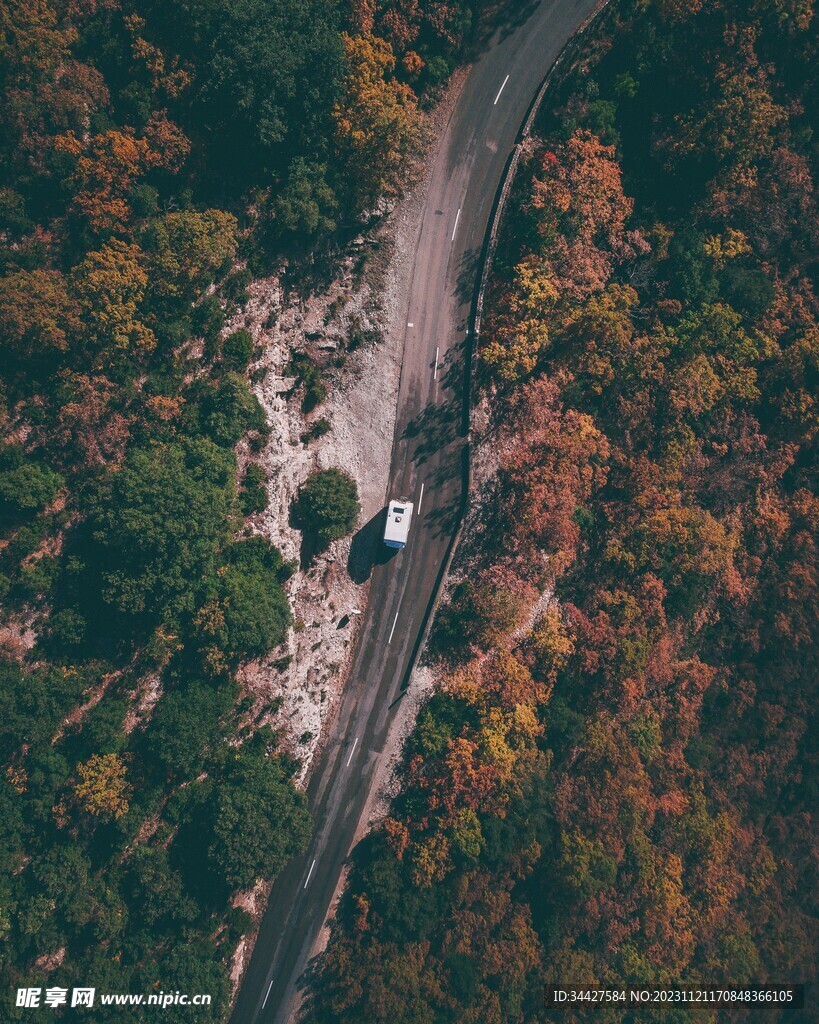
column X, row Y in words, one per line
column 399, row 515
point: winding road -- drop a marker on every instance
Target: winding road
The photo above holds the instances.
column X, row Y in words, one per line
column 428, row 461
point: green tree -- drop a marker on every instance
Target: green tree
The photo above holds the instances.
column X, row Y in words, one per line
column 159, row 524
column 153, row 888
column 12, row 854
column 186, row 727
column 256, row 608
column 260, row 820
column 195, row 966
column 307, row 205
column 237, row 350
column 32, row 703
column 230, row 410
column 208, row 318
column 328, row 506
column 253, row 496
column 25, row 487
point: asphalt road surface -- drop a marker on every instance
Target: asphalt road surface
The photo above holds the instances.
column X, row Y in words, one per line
column 427, row 462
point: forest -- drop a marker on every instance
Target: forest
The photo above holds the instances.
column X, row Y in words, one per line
column 614, row 781
column 155, row 157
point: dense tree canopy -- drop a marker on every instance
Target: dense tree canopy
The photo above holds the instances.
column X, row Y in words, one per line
column 160, row 525
column 259, row 821
column 151, row 162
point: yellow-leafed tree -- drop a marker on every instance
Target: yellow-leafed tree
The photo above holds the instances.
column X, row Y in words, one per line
column 103, row 788
column 378, row 124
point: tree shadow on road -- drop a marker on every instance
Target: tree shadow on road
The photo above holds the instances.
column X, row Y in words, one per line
column 434, row 428
column 466, row 285
column 502, row 17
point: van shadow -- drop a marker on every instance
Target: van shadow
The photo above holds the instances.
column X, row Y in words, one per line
column 367, row 548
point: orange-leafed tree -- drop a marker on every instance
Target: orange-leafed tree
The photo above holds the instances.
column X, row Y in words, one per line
column 108, row 165
column 38, row 314
column 555, row 462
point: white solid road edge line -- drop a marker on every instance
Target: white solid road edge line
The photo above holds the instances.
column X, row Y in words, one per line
column 393, row 627
column 457, row 216
column 420, row 499
column 437, row 355
column 501, row 89
column 309, row 873
column 264, row 1004
column 352, row 752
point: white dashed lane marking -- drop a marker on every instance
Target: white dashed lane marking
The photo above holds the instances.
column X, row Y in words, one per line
column 309, row 873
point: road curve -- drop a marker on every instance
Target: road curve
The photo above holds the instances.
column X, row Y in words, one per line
column 428, row 450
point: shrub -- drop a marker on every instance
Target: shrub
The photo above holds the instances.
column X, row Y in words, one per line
column 253, row 497
column 328, row 506
column 237, row 350
column 231, row 410
column 316, row 430
column 480, row 613
column 311, row 377
column 236, row 286
column 257, row 611
column 208, row 318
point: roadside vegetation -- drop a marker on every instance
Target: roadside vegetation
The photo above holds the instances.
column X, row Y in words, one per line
column 615, row 785
column 153, row 159
column 327, row 507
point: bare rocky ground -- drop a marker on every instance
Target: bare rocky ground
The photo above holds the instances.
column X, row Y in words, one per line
column 296, row 688
column 18, row 635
